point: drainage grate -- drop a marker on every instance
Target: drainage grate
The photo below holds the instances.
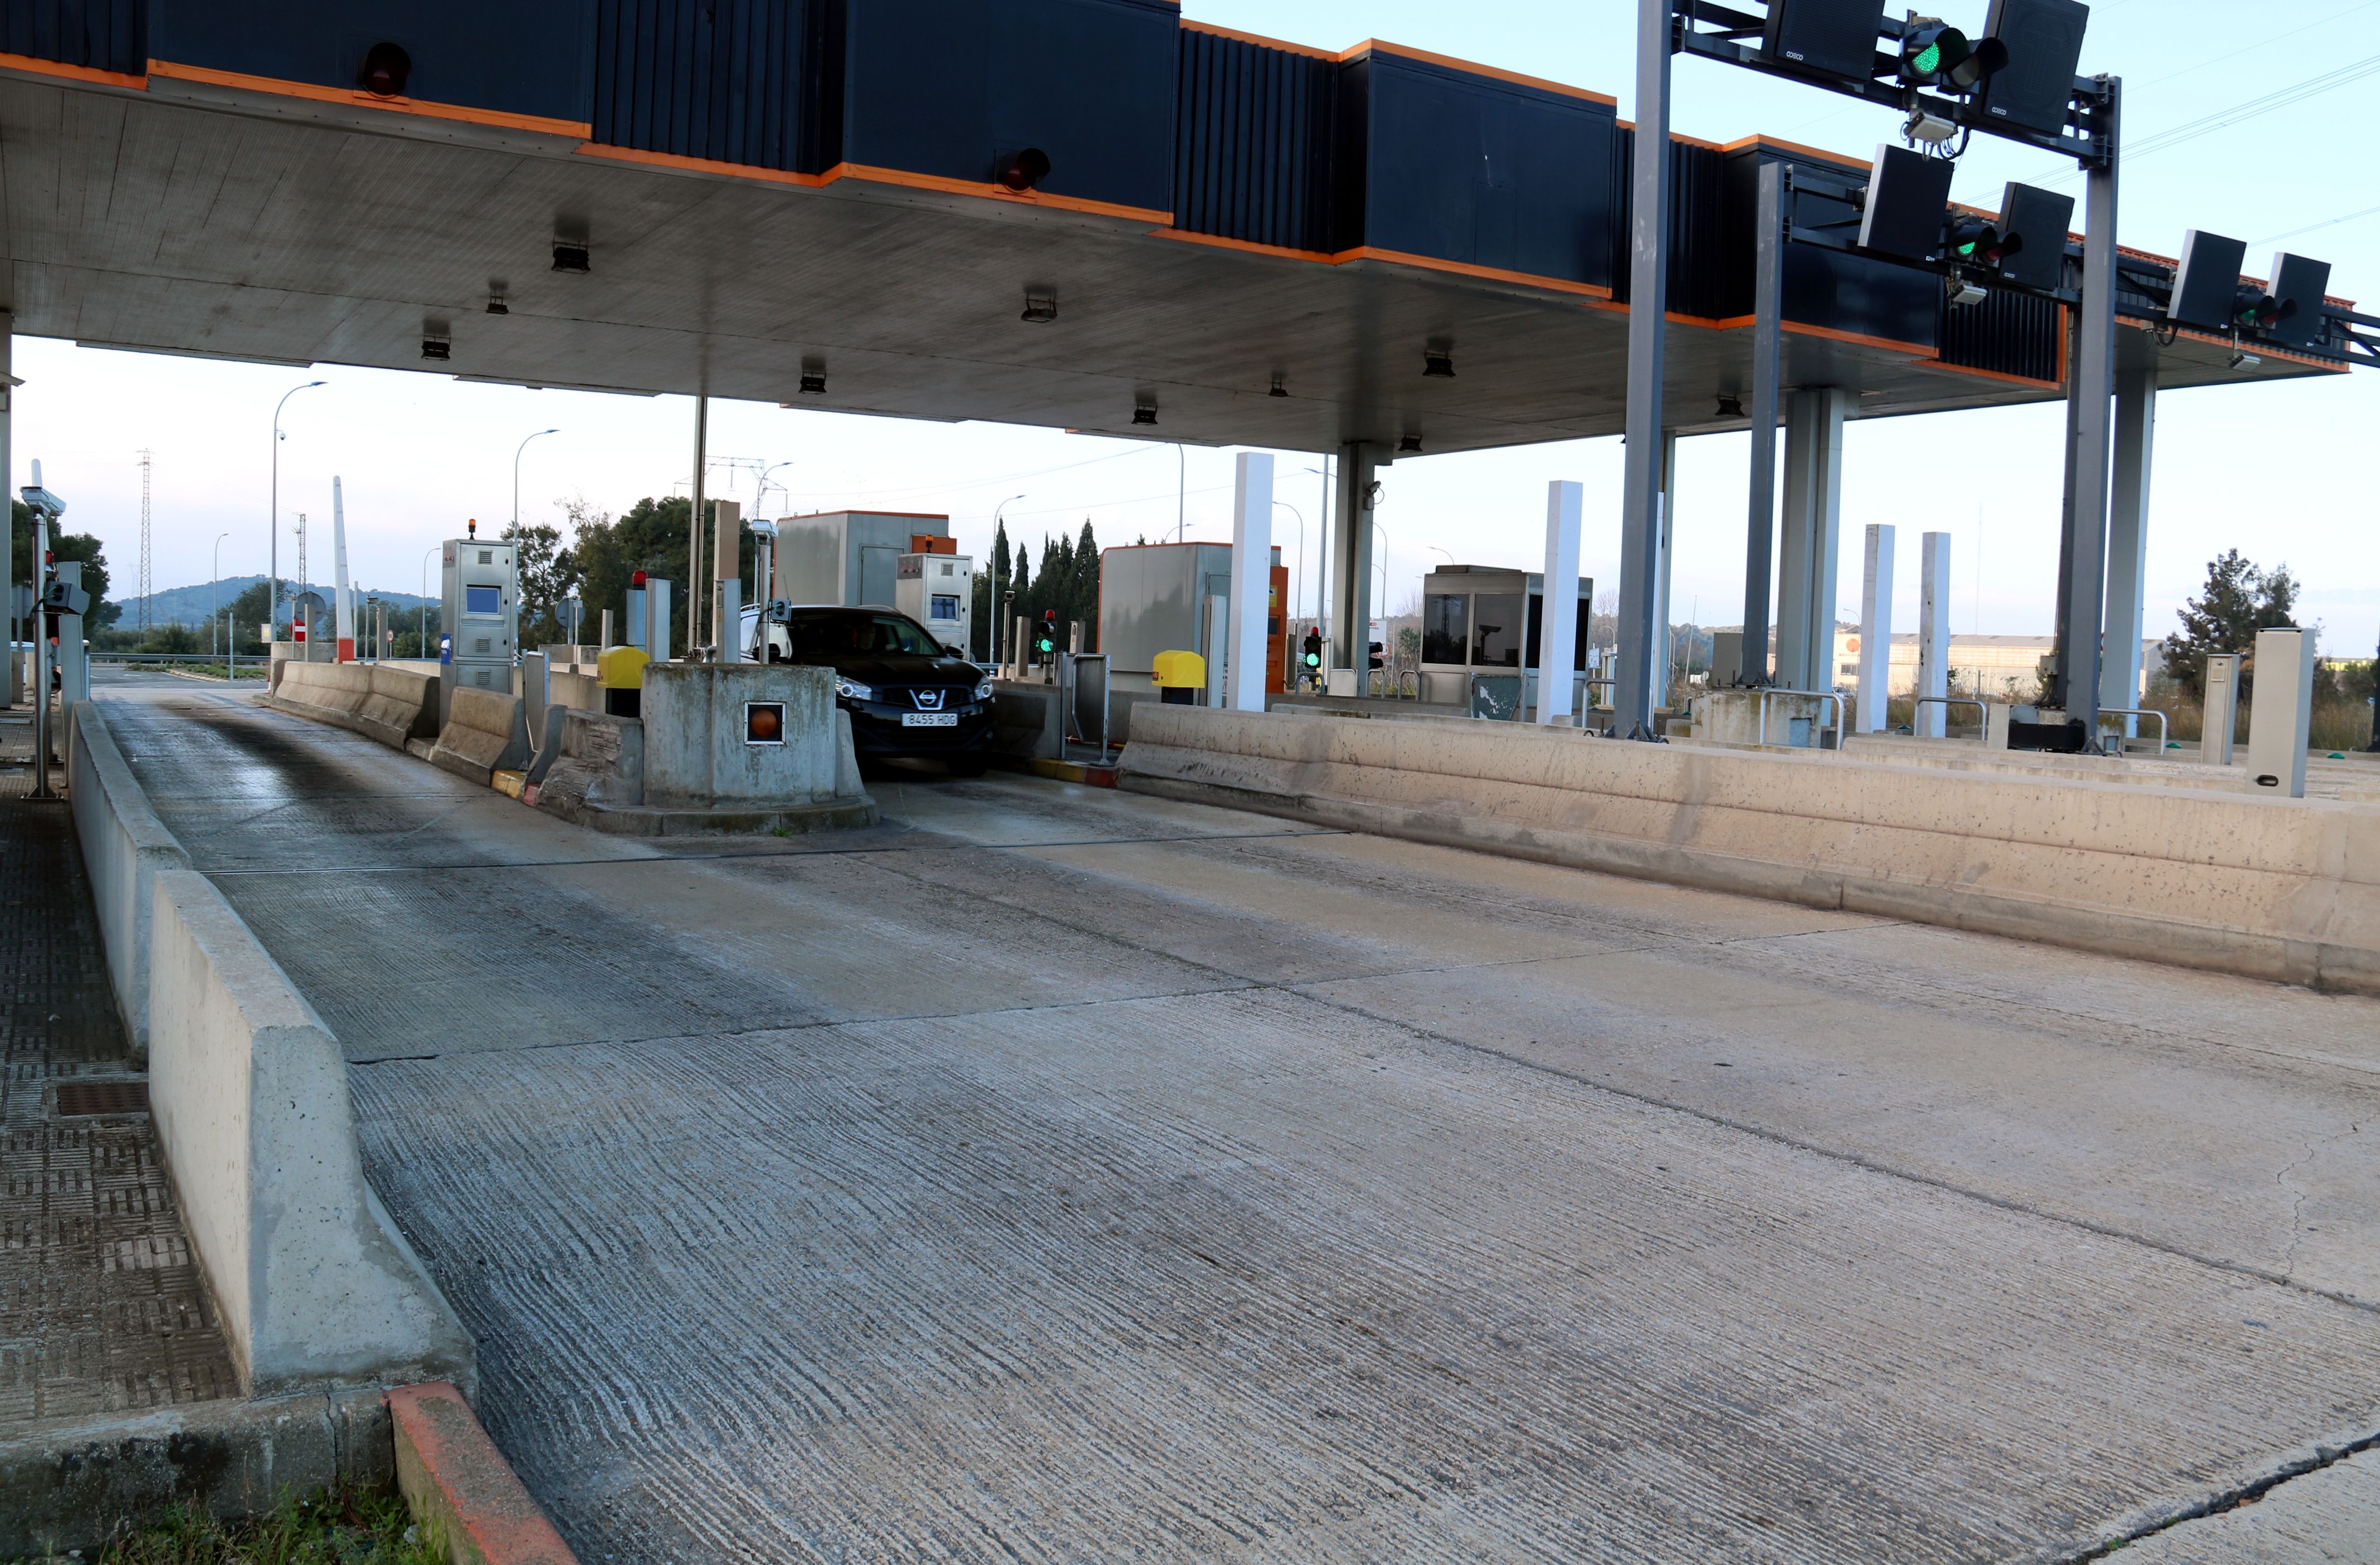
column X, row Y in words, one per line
column 103, row 1097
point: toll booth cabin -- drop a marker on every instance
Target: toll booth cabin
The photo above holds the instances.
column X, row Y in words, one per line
column 935, row 587
column 1480, row 629
column 853, row 558
column 1177, row 598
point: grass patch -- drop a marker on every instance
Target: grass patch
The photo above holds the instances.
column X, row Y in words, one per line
column 341, row 1526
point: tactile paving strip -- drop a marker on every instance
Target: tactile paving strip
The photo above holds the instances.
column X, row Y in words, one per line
column 102, row 1304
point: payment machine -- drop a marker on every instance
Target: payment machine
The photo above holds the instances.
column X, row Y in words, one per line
column 482, row 619
column 938, row 591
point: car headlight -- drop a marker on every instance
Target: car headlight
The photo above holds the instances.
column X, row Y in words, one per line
column 852, row 690
column 983, row 691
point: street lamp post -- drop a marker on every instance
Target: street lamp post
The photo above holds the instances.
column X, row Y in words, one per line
column 999, row 629
column 517, row 456
column 421, row 637
column 273, row 613
column 215, row 613
column 1297, row 577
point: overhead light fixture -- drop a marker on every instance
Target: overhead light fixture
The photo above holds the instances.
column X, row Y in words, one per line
column 1144, row 413
column 496, row 305
column 813, row 383
column 1409, row 446
column 1022, row 171
column 1278, row 389
column 570, row 255
column 437, row 347
column 1039, row 308
column 387, row 68
column 1729, row 406
column 1438, row 364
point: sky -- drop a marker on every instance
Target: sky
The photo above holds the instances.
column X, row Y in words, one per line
column 2270, row 471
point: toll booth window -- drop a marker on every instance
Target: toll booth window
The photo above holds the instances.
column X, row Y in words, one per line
column 946, row 606
column 1445, row 627
column 483, row 600
column 1496, row 631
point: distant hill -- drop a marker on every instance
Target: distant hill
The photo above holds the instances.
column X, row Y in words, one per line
column 188, row 605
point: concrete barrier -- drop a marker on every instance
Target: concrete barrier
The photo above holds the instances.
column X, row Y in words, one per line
column 2285, row 889
column 388, row 704
column 248, row 1091
column 484, row 731
column 78, row 1486
column 123, row 846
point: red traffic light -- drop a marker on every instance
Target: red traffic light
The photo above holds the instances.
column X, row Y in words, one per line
column 1022, row 171
column 387, row 68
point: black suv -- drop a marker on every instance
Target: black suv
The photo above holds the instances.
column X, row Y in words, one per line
column 907, row 697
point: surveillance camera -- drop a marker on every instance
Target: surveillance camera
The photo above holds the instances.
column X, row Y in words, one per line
column 41, row 502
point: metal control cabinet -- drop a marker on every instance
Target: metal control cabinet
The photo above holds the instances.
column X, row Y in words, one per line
column 938, row 591
column 480, row 618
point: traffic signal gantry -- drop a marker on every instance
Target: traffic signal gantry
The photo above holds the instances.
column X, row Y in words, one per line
column 2016, row 82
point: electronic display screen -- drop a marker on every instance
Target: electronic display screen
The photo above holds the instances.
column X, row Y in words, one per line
column 483, row 600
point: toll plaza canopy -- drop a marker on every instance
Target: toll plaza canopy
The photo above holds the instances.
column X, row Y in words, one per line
column 1087, row 215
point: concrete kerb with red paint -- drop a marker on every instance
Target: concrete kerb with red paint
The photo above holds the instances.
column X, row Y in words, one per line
column 460, row 1488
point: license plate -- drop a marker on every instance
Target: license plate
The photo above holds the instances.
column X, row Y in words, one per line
column 930, row 720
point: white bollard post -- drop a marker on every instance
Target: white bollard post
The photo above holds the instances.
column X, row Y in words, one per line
column 1244, row 667
column 1876, row 632
column 2280, row 711
column 1558, row 644
column 1934, row 636
column 342, row 601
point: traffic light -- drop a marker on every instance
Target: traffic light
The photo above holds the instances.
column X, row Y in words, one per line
column 1935, row 55
column 2034, row 88
column 1045, row 635
column 2039, row 219
column 1906, row 194
column 2206, row 284
column 2300, row 286
column 1979, row 240
column 2254, row 310
column 1313, row 647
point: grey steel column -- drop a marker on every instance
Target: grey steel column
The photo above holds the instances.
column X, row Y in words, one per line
column 1767, row 340
column 1351, row 553
column 1640, row 495
column 2128, row 537
column 1812, row 528
column 693, row 531
column 2095, row 370
column 12, row 687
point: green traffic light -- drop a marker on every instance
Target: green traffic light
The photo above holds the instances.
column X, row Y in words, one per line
column 1928, row 60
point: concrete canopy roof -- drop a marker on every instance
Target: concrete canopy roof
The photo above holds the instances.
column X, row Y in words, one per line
column 182, row 216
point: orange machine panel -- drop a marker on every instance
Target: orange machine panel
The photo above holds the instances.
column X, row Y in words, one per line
column 927, row 544
column 1277, row 632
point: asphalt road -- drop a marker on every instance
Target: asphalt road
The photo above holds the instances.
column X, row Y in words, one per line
column 1055, row 1174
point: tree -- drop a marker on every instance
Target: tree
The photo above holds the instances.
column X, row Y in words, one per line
column 649, row 537
column 549, row 573
column 2237, row 600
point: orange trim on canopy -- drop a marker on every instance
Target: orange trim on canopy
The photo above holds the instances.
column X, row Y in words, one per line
column 577, row 129
column 72, row 73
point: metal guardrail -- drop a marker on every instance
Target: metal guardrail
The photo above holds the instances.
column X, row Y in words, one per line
column 2164, row 731
column 1983, row 708
column 1842, row 712
column 1388, row 684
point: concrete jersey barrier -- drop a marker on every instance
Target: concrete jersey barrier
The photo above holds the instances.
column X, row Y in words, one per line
column 2284, row 890
column 388, row 704
column 485, row 731
column 248, row 1091
column 123, row 846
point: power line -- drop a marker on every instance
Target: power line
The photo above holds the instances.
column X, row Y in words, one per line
column 2314, row 227
column 2281, row 98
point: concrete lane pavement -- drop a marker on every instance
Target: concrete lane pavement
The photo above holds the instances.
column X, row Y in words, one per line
column 1072, row 1174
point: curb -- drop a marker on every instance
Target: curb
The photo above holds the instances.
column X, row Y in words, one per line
column 452, row 1476
column 1063, row 771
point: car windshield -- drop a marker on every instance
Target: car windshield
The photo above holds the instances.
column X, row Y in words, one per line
column 822, row 638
